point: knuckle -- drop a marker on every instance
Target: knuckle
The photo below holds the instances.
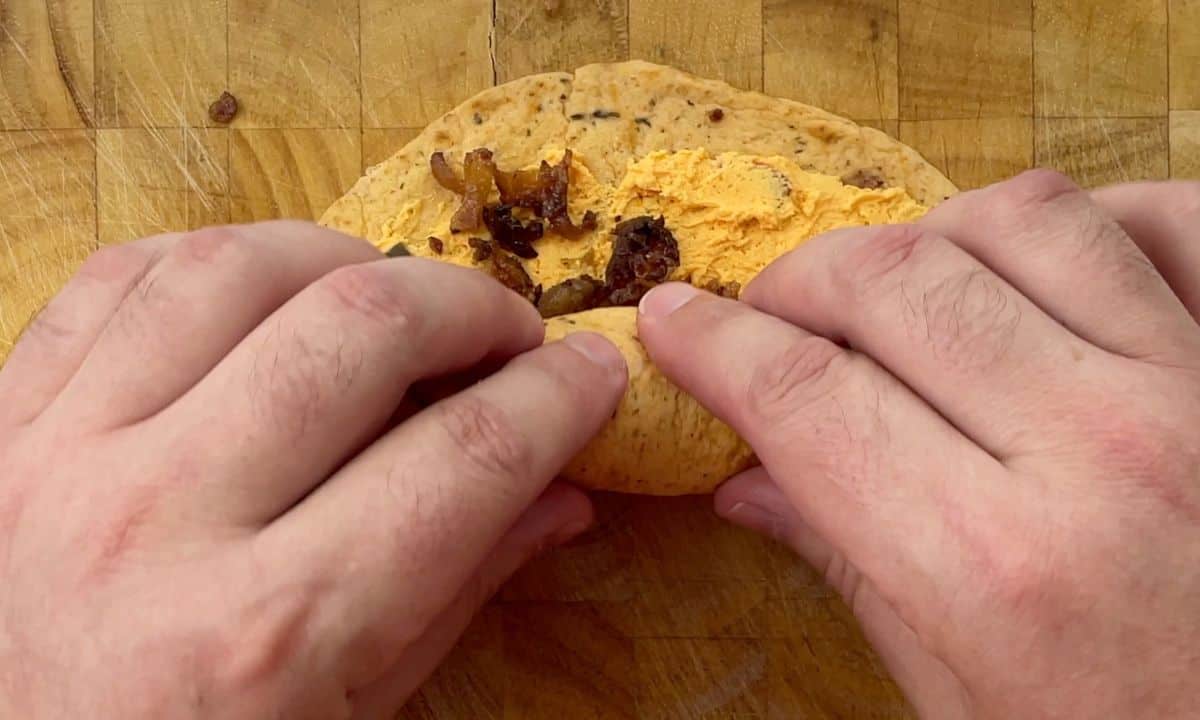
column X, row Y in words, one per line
column 212, row 245
column 1147, row 458
column 492, row 447
column 148, row 302
column 1032, row 187
column 366, row 292
column 1011, row 210
column 116, row 263
column 1023, row 579
column 804, row 372
column 879, row 258
column 968, row 319
column 220, row 250
column 1135, row 452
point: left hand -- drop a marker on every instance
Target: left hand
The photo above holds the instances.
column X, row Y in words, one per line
column 214, row 501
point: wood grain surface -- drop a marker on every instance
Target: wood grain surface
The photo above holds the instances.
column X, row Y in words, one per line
column 661, row 611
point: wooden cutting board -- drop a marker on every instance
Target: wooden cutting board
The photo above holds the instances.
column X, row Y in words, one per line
column 662, row 611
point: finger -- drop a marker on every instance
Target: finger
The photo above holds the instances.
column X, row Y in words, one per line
column 320, row 379
column 869, row 465
column 53, row 346
column 560, row 514
column 1163, row 218
column 403, row 527
column 965, row 340
column 188, row 311
column 754, row 501
column 1047, row 238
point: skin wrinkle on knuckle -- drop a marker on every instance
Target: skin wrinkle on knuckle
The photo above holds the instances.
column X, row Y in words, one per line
column 367, row 292
column 215, row 245
column 803, row 373
column 1151, row 460
column 876, row 260
column 492, row 448
column 124, row 264
column 224, row 252
column 968, row 320
column 148, row 303
column 116, row 263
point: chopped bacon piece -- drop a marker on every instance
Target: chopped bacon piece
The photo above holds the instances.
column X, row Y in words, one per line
column 509, row 232
column 477, row 181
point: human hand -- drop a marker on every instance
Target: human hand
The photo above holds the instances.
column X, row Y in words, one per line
column 985, row 429
column 214, row 501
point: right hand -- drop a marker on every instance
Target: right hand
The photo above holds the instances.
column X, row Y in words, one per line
column 1001, row 475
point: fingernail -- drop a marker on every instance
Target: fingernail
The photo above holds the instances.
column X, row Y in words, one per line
column 567, row 533
column 597, row 349
column 666, row 299
column 758, row 519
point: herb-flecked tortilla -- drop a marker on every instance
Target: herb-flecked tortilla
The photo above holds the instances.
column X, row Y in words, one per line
column 736, row 179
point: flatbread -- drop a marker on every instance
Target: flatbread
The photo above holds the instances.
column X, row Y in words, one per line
column 522, row 116
column 661, row 441
column 677, row 105
column 673, row 446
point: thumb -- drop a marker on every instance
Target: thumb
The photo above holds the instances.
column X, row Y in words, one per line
column 558, row 515
column 753, row 501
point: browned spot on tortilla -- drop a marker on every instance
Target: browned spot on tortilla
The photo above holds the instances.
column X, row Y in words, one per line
column 866, row 179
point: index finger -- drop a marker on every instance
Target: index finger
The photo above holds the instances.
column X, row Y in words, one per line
column 866, row 463
column 404, row 525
